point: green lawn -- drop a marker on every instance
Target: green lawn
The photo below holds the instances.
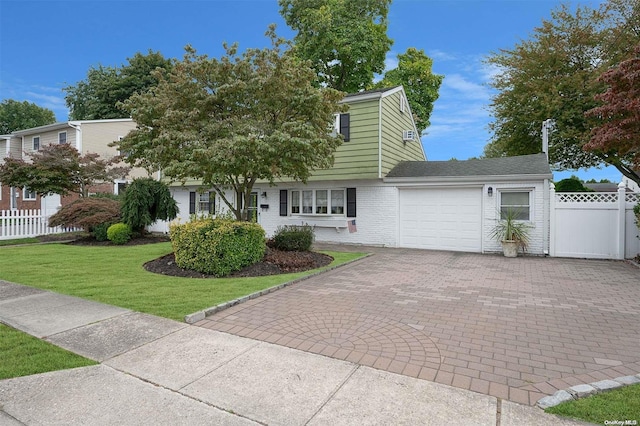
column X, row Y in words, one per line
column 114, row 275
column 19, row 241
column 23, row 355
column 617, row 405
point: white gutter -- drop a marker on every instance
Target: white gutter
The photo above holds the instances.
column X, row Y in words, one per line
column 464, row 179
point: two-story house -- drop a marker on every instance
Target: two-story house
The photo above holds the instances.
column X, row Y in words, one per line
column 383, row 191
column 87, row 136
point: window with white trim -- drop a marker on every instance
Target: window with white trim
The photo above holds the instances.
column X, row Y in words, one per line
column 28, row 195
column 318, row 202
column 62, row 138
column 518, row 202
column 36, row 143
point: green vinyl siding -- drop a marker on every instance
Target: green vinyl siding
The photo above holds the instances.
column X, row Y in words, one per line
column 358, row 158
column 394, row 149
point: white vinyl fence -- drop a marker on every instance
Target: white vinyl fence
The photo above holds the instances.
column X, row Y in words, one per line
column 594, row 225
column 26, row 223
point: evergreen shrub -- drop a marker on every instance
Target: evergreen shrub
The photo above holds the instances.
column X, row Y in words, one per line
column 216, row 246
column 293, row 238
column 119, row 233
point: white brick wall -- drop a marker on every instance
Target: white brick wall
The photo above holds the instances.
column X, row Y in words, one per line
column 377, row 213
column 492, row 209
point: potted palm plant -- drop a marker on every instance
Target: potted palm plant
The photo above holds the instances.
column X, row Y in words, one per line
column 512, row 233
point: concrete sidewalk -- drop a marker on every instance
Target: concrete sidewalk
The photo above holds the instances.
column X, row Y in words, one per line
column 157, row 371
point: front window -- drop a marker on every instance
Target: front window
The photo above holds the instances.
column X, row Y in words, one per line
column 318, row 202
column 28, row 195
column 206, row 202
column 36, row 143
column 321, row 201
column 516, row 202
column 62, row 138
column 337, row 201
column 295, row 202
column 307, row 202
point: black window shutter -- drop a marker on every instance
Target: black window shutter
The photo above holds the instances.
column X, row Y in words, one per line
column 284, row 197
column 192, row 203
column 212, row 203
column 344, row 126
column 351, row 202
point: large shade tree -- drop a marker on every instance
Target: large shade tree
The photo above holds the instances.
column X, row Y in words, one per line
column 617, row 120
column 100, row 94
column 231, row 121
column 15, row 115
column 554, row 75
column 414, row 73
column 345, row 40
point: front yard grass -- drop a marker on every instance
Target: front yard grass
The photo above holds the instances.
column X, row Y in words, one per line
column 619, row 407
column 115, row 275
column 23, row 355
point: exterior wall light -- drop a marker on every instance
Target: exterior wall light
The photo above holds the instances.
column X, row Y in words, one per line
column 490, row 192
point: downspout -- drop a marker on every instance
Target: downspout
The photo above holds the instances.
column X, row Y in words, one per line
column 380, row 137
column 78, row 135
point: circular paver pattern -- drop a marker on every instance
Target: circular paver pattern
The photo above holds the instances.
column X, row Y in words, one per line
column 367, row 334
column 518, row 329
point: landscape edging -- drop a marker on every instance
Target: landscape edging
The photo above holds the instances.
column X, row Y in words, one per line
column 200, row 315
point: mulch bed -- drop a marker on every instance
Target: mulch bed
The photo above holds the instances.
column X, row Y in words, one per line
column 274, row 262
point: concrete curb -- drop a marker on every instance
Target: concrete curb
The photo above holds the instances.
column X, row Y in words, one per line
column 583, row 391
column 200, row 315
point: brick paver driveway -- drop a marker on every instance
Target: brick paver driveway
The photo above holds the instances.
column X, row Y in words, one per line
column 517, row 329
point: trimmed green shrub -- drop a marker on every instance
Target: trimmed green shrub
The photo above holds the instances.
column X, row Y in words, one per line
column 99, row 232
column 217, row 247
column 293, row 238
column 119, row 233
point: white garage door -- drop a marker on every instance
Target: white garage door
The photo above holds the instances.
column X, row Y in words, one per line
column 441, row 219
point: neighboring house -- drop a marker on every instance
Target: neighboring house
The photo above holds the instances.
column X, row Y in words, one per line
column 85, row 135
column 631, row 184
column 382, row 191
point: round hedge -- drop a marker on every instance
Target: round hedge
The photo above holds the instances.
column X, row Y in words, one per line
column 216, row 246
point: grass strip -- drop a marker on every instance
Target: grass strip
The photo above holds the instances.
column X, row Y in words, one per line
column 19, row 241
column 23, row 355
column 616, row 407
column 115, row 275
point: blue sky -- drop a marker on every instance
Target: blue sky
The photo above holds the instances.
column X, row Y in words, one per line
column 47, row 45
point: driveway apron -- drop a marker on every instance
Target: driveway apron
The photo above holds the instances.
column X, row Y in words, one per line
column 517, row 329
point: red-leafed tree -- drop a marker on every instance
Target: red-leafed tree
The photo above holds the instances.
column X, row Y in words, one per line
column 617, row 131
column 59, row 169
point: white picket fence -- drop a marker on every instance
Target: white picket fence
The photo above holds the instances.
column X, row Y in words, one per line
column 26, row 223
column 594, row 225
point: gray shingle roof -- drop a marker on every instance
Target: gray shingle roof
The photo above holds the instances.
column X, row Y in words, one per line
column 535, row 164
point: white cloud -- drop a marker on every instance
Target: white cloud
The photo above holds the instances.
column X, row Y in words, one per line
column 441, row 56
column 466, row 88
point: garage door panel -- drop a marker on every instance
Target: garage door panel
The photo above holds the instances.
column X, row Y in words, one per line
column 441, row 219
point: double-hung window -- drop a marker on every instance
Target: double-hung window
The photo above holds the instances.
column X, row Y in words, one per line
column 516, row 202
column 36, row 143
column 28, row 195
column 62, row 138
